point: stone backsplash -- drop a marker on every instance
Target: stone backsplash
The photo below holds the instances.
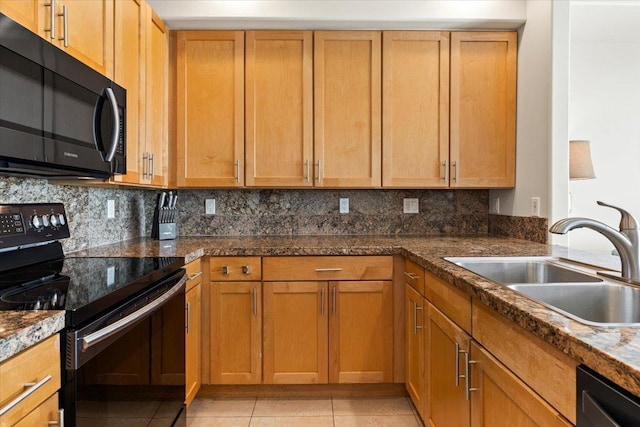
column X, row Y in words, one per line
column 530, row 228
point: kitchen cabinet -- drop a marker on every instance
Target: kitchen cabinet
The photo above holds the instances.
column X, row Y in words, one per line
column 296, row 332
column 350, row 297
column 347, row 109
column 210, row 108
column 415, row 334
column 501, row 399
column 193, row 343
column 235, row 320
column 142, row 68
column 82, row 28
column 415, row 109
column 278, row 99
column 483, row 108
column 34, row 374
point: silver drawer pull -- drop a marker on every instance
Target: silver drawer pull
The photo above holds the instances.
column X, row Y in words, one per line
column 225, row 270
column 60, row 421
column 326, row 270
column 411, row 276
column 194, row 276
column 30, row 388
column 246, row 269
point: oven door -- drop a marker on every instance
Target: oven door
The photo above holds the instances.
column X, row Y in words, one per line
column 127, row 367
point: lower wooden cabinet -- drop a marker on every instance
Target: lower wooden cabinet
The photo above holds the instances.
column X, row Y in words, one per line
column 235, row 332
column 46, row 414
column 415, row 332
column 296, row 333
column 193, row 337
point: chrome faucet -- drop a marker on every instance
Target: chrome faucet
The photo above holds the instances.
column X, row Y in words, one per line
column 625, row 241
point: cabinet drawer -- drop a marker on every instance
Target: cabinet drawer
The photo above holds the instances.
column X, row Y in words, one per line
column 328, row 268
column 450, row 300
column 43, row 415
column 548, row 371
column 234, row 269
column 414, row 276
column 39, row 365
column 194, row 273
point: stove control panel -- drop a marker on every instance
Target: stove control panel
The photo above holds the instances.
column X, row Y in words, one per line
column 24, row 224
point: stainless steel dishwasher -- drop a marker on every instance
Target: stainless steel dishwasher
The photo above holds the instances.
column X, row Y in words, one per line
column 601, row 403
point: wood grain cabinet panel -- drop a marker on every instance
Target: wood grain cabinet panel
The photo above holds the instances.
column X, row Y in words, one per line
column 415, row 109
column 415, row 334
column 210, row 108
column 193, row 343
column 347, row 113
column 483, row 109
column 25, row 12
column 279, row 98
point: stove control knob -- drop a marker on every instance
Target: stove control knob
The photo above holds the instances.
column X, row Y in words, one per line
column 36, row 221
column 61, row 219
column 45, row 220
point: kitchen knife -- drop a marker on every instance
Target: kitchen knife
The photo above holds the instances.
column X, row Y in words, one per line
column 161, row 200
column 173, row 208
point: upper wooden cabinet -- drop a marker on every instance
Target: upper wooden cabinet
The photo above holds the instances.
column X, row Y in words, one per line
column 83, row 28
column 483, row 104
column 278, row 103
column 347, row 114
column 210, row 108
column 415, row 109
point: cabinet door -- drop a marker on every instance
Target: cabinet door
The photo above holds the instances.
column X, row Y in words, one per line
column 45, row 414
column 236, row 325
column 295, row 333
column 210, row 108
column 483, row 109
column 502, row 399
column 415, row 110
column 415, row 338
column 446, row 403
column 156, row 97
column 85, row 31
column 361, row 332
column 279, row 96
column 193, row 343
column 347, row 97
column 26, row 13
column 129, row 73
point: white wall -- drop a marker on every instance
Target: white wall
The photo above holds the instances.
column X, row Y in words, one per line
column 604, row 107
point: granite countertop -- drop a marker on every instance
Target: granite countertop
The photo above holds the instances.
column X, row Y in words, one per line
column 22, row 329
column 614, row 352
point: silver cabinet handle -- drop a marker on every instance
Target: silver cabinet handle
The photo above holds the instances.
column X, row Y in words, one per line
column 145, row 164
column 60, row 421
column 255, row 301
column 328, row 270
column 322, row 301
column 225, row 270
column 237, row 171
column 152, row 165
column 333, row 297
column 457, row 364
column 52, row 17
column 194, row 276
column 246, row 269
column 444, row 170
column 467, row 377
column 307, row 178
column 454, row 165
column 116, row 121
column 125, row 322
column 415, row 318
column 188, row 316
column 411, row 275
column 319, row 165
column 30, row 388
column 65, row 26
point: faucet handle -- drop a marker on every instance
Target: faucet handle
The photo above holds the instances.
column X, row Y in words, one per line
column 627, row 222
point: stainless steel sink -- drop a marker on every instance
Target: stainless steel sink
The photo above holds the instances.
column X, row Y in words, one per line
column 598, row 304
column 558, row 285
column 522, row 270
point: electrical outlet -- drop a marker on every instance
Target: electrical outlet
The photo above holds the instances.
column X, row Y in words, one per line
column 411, row 206
column 210, row 206
column 344, row 205
column 111, row 209
column 495, row 205
column 535, row 206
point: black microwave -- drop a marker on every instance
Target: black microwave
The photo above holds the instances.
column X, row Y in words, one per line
column 58, row 117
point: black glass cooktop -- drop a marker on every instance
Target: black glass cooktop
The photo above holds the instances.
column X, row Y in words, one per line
column 83, row 287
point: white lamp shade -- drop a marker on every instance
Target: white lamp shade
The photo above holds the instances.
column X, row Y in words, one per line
column 580, row 165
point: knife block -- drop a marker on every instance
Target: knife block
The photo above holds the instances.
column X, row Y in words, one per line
column 164, row 226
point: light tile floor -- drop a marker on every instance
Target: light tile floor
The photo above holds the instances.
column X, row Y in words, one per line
column 322, row 412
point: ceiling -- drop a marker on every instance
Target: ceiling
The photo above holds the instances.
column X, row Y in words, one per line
column 341, row 14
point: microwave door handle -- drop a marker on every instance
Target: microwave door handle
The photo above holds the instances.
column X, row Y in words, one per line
column 116, row 125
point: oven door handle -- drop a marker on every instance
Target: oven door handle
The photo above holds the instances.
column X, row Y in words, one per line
column 104, row 333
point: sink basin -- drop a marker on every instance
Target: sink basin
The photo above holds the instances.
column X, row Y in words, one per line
column 522, row 270
column 600, row 304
